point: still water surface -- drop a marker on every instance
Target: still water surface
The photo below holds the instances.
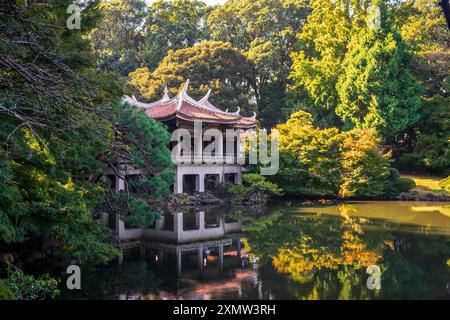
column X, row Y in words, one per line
column 292, row 251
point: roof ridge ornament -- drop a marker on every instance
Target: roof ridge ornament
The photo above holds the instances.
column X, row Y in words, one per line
column 185, row 87
column 134, row 102
column 182, row 94
column 236, row 113
column 166, row 94
column 206, row 97
column 253, row 117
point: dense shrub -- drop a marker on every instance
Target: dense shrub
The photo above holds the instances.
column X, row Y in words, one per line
column 256, row 182
column 5, row 292
column 252, row 183
column 364, row 170
column 327, row 162
column 27, row 287
column 405, row 184
column 431, row 150
column 309, row 158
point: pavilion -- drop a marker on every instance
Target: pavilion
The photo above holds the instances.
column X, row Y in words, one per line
column 183, row 112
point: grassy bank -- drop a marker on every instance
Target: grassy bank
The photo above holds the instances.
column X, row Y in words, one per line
column 427, row 184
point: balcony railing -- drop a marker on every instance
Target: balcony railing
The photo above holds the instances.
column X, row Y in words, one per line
column 205, row 159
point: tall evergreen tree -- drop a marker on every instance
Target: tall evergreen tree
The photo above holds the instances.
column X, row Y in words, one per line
column 376, row 89
column 320, row 51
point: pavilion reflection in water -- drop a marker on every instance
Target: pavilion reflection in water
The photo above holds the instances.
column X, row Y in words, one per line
column 193, row 241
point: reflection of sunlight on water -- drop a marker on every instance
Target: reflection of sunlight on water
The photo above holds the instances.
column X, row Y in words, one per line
column 423, row 214
column 445, row 210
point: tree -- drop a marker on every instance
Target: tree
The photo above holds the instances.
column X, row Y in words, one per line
column 117, row 39
column 50, row 112
column 172, row 25
column 265, row 30
column 318, row 56
column 376, row 89
column 141, row 142
column 210, row 64
column 365, row 171
column 309, row 158
column 60, row 131
column 326, row 162
column 423, row 27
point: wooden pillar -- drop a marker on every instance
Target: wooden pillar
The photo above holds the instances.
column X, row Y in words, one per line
column 200, row 257
column 238, row 178
column 201, row 220
column 238, row 249
column 178, row 187
column 219, row 151
column 221, row 256
column 120, row 185
column 198, row 143
column 178, row 225
column 201, row 183
column 160, row 256
column 179, row 255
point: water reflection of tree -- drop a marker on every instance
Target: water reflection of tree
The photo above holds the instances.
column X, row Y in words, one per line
column 132, row 278
column 329, row 256
column 326, row 245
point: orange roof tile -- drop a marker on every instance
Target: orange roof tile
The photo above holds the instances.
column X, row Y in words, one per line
column 184, row 107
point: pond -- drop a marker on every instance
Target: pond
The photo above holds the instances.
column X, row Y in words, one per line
column 291, row 251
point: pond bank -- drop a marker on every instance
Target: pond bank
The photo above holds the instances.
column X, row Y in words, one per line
column 207, row 198
column 174, row 201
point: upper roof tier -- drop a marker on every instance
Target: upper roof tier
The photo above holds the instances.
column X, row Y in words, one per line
column 182, row 106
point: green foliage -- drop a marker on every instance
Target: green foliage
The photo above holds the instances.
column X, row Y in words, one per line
column 253, row 183
column 259, row 183
column 326, row 162
column 209, row 64
column 309, row 158
column 266, row 32
column 376, row 90
column 405, row 184
column 431, row 149
column 172, row 25
column 53, row 125
column 320, row 51
column 423, row 27
column 5, row 292
column 394, row 79
column 365, row 171
column 143, row 142
column 238, row 191
column 28, row 287
column 116, row 40
column 60, row 130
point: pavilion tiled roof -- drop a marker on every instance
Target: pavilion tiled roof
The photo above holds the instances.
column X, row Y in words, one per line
column 182, row 106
